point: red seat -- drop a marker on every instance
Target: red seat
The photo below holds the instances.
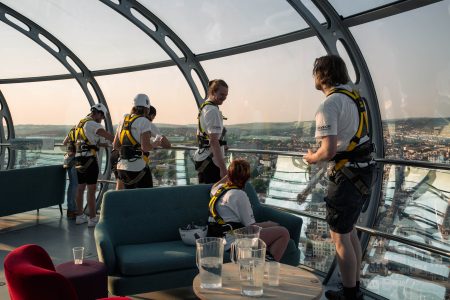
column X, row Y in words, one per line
column 30, row 274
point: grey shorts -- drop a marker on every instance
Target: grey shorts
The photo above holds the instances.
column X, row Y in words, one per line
column 344, row 201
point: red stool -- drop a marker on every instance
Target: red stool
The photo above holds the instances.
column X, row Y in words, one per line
column 89, row 279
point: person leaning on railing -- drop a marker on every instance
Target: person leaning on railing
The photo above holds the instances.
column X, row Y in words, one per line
column 132, row 140
column 343, row 130
column 230, row 208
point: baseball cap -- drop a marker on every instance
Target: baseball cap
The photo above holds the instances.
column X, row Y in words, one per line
column 141, row 100
column 100, row 107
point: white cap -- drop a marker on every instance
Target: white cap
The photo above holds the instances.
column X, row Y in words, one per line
column 100, row 107
column 141, row 100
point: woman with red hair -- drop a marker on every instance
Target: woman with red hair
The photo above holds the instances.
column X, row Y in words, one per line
column 232, row 207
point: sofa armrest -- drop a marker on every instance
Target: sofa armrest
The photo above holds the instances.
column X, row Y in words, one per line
column 105, row 247
column 292, row 223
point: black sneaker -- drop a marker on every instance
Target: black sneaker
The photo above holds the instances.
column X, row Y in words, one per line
column 339, row 295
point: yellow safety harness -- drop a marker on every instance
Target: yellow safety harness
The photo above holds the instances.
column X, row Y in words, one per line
column 71, row 143
column 354, row 151
column 82, row 142
column 343, row 157
column 212, row 203
column 219, row 228
column 203, row 137
column 130, row 148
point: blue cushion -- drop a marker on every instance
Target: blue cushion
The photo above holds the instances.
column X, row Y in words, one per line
column 141, row 259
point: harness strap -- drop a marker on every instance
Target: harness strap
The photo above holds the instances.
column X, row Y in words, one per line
column 363, row 124
column 126, row 129
column 200, row 129
column 203, row 137
column 356, row 180
column 80, row 135
column 212, row 203
column 130, row 148
column 83, row 168
column 137, row 178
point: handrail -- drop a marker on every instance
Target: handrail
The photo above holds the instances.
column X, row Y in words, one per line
column 391, row 161
column 371, row 231
column 414, row 163
column 256, row 151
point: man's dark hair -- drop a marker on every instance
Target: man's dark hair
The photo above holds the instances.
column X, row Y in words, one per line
column 214, row 85
column 331, row 70
column 139, row 110
column 152, row 111
column 95, row 111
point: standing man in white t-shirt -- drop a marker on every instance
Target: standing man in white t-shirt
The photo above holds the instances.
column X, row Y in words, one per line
column 210, row 155
column 88, row 134
column 133, row 141
column 342, row 128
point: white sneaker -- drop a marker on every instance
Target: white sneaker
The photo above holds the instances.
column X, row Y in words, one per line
column 81, row 219
column 93, row 221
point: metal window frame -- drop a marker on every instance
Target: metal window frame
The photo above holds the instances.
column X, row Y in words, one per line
column 186, row 64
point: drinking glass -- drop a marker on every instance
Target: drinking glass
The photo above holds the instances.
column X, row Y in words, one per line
column 209, row 259
column 78, row 254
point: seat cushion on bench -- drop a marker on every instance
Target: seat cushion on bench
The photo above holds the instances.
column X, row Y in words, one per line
column 141, row 259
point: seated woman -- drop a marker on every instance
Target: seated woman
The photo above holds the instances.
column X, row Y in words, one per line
column 232, row 208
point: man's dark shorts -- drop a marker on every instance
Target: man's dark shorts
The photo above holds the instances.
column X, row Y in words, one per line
column 344, row 202
column 89, row 173
column 209, row 174
column 129, row 176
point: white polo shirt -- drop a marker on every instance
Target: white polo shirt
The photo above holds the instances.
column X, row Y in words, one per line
column 234, row 206
column 338, row 115
column 211, row 120
column 138, row 127
column 90, row 130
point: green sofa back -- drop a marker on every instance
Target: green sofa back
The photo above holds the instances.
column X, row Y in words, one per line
column 32, row 188
column 142, row 215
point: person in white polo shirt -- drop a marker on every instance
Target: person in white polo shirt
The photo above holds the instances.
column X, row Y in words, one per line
column 343, row 130
column 133, row 141
column 210, row 155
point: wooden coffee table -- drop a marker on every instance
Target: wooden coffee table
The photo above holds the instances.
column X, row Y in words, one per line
column 295, row 283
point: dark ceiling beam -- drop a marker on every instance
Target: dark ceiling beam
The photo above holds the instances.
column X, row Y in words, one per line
column 354, row 20
column 167, row 39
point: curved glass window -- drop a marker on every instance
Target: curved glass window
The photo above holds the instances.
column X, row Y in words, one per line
column 97, row 34
column 410, row 69
column 167, row 89
column 213, row 25
column 43, row 118
column 22, row 57
column 269, row 88
column 349, row 7
column 399, row 271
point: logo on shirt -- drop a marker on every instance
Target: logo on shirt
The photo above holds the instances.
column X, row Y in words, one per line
column 323, row 127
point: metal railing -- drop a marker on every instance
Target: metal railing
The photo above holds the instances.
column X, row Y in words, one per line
column 370, row 231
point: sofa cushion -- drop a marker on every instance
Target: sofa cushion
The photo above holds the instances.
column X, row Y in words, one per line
column 141, row 259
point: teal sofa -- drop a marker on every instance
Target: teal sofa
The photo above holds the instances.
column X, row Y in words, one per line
column 31, row 188
column 138, row 240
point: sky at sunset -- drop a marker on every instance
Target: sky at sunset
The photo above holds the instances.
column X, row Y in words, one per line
column 408, row 56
